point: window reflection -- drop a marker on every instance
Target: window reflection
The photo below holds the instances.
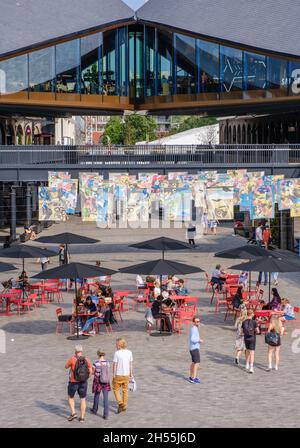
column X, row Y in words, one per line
column 14, row 75
column 186, row 65
column 109, row 62
column 164, row 62
column 90, row 48
column 231, row 69
column 42, row 70
column 255, row 71
column 209, row 66
column 123, row 81
column 150, row 61
column 68, row 67
column 277, row 75
column 294, row 78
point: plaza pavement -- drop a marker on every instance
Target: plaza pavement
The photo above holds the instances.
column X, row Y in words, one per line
column 33, row 380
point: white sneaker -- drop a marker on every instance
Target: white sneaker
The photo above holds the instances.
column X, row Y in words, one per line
column 276, row 367
column 247, row 367
column 251, row 370
column 269, row 368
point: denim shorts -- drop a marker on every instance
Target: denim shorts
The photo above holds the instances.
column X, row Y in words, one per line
column 80, row 388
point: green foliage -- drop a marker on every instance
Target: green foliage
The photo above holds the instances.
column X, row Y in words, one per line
column 193, row 122
column 132, row 129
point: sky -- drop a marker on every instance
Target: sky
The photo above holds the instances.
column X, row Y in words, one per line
column 135, row 4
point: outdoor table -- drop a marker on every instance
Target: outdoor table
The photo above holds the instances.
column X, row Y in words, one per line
column 41, row 287
column 123, row 295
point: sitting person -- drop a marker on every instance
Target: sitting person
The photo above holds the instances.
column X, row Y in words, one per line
column 243, row 279
column 30, row 232
column 90, row 306
column 101, row 315
column 167, row 301
column 181, row 290
column 157, row 312
column 218, row 277
column 140, row 284
column 276, row 300
column 82, row 295
column 171, row 282
column 288, row 310
column 156, row 290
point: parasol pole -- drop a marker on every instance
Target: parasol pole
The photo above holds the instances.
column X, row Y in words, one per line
column 269, row 287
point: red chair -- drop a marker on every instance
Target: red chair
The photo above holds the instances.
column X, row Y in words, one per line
column 60, row 324
column 263, row 318
column 184, row 316
column 143, row 299
column 218, row 294
column 230, row 309
column 29, row 303
column 97, row 325
column 118, row 307
column 55, row 290
column 209, row 284
column 260, row 294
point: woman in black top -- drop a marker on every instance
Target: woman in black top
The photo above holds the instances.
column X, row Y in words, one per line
column 157, row 313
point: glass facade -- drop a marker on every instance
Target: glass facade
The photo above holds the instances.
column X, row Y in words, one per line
column 140, row 62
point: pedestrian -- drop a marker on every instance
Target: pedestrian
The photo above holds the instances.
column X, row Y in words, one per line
column 213, row 223
column 205, row 222
column 194, row 347
column 273, row 339
column 275, row 276
column 101, row 383
column 259, row 235
column 266, row 234
column 239, row 340
column 44, row 261
column 260, row 278
column 63, row 255
column 80, row 371
column 122, row 373
column 250, row 329
column 191, row 234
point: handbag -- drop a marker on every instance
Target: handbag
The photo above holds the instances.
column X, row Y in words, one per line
column 272, row 338
column 132, row 385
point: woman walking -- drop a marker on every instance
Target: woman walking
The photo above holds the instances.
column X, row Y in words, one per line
column 250, row 329
column 239, row 341
column 101, row 383
column 273, row 339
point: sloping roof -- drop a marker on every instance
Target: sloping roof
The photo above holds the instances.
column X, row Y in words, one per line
column 25, row 23
column 264, row 24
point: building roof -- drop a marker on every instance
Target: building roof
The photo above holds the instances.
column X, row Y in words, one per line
column 263, row 24
column 27, row 23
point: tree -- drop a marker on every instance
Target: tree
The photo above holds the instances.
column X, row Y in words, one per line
column 132, row 129
column 193, row 122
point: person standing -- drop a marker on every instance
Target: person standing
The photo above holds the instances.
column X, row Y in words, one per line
column 239, row 340
column 205, row 222
column 191, row 234
column 213, row 223
column 259, row 235
column 122, row 372
column 44, row 262
column 250, row 329
column 194, row 347
column 275, row 328
column 101, row 383
column 266, row 234
column 80, row 371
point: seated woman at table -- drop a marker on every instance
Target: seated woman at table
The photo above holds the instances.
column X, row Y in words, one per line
column 90, row 306
column 218, row 277
column 171, row 282
column 157, row 312
column 156, row 290
column 181, row 290
column 275, row 302
column 167, row 300
column 288, row 310
column 101, row 315
column 23, row 279
column 81, row 296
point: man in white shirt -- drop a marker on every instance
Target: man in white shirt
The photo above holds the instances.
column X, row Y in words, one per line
column 259, row 235
column 122, row 372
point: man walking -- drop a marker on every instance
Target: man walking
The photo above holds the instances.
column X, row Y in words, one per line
column 80, row 371
column 194, row 346
column 122, row 372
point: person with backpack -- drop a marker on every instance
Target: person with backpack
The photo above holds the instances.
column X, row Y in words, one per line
column 80, row 371
column 250, row 329
column 101, row 383
column 273, row 339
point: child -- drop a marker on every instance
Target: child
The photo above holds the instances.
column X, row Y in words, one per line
column 101, row 383
column 288, row 310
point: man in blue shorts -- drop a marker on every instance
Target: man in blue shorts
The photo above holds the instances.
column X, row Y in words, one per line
column 194, row 346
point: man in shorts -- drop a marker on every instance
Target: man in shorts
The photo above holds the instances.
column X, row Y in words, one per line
column 78, row 386
column 194, row 346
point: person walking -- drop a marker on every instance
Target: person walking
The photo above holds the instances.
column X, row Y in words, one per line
column 101, row 383
column 191, row 234
column 250, row 329
column 266, row 235
column 194, row 347
column 213, row 223
column 273, row 339
column 80, row 370
column 44, row 261
column 259, row 235
column 122, row 373
column 239, row 340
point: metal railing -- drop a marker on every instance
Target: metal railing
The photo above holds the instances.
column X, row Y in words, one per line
column 184, row 156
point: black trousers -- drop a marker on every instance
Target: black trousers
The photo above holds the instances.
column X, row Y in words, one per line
column 165, row 323
column 192, row 241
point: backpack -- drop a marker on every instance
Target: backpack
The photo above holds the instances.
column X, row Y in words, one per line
column 81, row 371
column 249, row 328
column 102, row 372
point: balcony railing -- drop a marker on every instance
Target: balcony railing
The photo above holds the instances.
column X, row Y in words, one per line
column 183, row 156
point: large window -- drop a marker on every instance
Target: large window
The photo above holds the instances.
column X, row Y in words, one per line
column 277, row 76
column 136, row 61
column 255, row 71
column 150, row 61
column 68, row 67
column 185, row 64
column 164, row 62
column 42, row 70
column 14, row 75
column 90, row 49
column 209, row 66
column 231, row 69
column 109, row 63
column 123, row 72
